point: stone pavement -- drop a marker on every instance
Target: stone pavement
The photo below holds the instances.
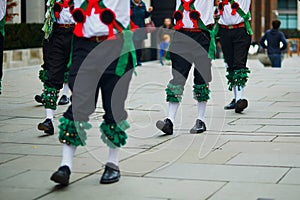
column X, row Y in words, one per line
column 241, row 157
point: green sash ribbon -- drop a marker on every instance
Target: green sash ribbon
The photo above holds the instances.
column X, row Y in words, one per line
column 2, row 24
column 246, row 18
column 49, row 20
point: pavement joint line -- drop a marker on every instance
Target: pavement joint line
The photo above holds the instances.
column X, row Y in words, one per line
column 219, row 189
column 274, row 138
column 189, row 179
column 257, row 130
column 277, row 182
column 232, row 157
column 256, row 165
column 34, row 144
column 153, row 170
column 150, row 148
column 21, row 156
column 22, row 172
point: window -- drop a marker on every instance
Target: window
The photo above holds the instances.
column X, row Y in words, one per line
column 287, row 10
column 287, row 4
column 288, row 21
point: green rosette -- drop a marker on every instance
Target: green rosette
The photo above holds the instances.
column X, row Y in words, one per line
column 49, row 97
column 114, row 135
column 43, row 75
column 73, row 132
column 174, row 93
column 201, row 92
column 237, row 78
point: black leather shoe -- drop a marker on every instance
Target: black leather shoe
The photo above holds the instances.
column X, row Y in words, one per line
column 165, row 126
column 230, row 106
column 47, row 127
column 62, row 175
column 199, row 127
column 240, row 105
column 63, row 100
column 38, row 98
column 111, row 174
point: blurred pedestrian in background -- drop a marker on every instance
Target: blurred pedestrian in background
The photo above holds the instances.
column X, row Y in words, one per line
column 139, row 13
column 164, row 35
column 2, row 23
column 274, row 37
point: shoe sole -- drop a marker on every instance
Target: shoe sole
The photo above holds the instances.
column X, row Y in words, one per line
column 46, row 130
column 61, row 103
column 109, row 181
column 197, row 132
column 160, row 125
column 239, row 107
column 226, row 108
column 59, row 179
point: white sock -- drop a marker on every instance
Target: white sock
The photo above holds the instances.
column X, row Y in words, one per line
column 238, row 94
column 65, row 89
column 173, row 107
column 201, row 110
column 113, row 156
column 49, row 113
column 68, row 152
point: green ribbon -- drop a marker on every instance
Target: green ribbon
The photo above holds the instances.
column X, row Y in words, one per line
column 71, row 53
column 127, row 49
column 2, row 24
column 246, row 18
column 49, row 19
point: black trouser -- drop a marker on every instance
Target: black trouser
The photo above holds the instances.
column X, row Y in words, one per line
column 1, row 55
column 56, row 56
column 93, row 68
column 188, row 48
column 138, row 46
column 235, row 45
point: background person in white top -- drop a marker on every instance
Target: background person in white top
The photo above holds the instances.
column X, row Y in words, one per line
column 97, row 65
column 189, row 46
column 235, row 41
column 58, row 29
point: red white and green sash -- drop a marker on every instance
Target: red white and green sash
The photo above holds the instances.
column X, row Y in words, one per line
column 237, row 9
column 195, row 17
column 108, row 17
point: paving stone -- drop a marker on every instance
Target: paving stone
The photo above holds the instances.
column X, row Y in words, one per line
column 288, row 116
column 287, row 139
column 276, row 122
column 213, row 157
column 292, row 177
column 140, row 188
column 283, row 160
column 8, row 157
column 280, row 129
column 253, row 191
column 137, row 167
column 220, row 173
column 262, row 147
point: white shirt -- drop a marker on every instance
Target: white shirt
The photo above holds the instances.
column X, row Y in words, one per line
column 227, row 19
column 93, row 26
column 206, row 9
column 65, row 17
column 2, row 8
